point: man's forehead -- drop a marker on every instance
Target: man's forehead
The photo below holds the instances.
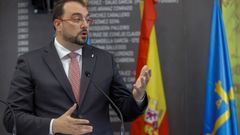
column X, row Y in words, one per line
column 76, row 8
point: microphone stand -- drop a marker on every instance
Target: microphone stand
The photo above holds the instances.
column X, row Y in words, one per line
column 14, row 130
column 122, row 130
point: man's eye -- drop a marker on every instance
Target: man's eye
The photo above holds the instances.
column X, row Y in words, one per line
column 77, row 19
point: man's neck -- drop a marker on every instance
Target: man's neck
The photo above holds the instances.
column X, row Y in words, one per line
column 68, row 45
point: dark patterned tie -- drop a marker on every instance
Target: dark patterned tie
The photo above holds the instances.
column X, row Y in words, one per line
column 74, row 75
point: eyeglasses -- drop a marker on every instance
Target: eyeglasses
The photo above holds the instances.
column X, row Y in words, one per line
column 79, row 19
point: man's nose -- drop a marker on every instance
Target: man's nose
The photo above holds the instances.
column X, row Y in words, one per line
column 84, row 24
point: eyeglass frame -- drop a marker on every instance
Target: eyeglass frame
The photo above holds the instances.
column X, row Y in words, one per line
column 78, row 20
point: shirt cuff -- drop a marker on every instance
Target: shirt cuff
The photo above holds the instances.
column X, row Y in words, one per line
column 50, row 128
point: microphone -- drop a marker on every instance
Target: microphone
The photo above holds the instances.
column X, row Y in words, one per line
column 14, row 130
column 122, row 130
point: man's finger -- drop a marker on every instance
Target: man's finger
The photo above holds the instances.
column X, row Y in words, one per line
column 79, row 121
column 70, row 110
column 84, row 129
column 144, row 68
column 143, row 82
column 148, row 75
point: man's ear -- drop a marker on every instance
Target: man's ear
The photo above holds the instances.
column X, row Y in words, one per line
column 57, row 24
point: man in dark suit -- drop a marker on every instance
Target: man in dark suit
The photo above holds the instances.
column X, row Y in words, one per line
column 54, row 89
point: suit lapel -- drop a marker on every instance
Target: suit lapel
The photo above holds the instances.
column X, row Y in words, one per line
column 54, row 63
column 88, row 65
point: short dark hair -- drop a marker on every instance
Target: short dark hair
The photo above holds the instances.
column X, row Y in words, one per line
column 58, row 7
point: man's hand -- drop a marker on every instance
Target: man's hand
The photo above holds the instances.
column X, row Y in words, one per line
column 139, row 87
column 67, row 125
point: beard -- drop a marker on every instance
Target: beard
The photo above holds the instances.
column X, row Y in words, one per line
column 78, row 39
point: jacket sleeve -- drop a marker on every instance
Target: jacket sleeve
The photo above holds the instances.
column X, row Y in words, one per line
column 123, row 97
column 21, row 99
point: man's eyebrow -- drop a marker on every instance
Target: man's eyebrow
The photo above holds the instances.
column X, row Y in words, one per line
column 79, row 14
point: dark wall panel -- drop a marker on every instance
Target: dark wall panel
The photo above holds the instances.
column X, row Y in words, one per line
column 8, row 55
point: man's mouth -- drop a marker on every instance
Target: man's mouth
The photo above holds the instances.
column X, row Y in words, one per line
column 84, row 34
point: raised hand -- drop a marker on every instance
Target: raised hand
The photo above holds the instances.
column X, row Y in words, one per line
column 139, row 87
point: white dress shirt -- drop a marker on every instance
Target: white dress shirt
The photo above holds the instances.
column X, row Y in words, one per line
column 65, row 59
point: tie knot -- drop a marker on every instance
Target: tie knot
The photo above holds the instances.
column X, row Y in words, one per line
column 72, row 55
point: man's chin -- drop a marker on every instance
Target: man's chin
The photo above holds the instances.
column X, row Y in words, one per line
column 81, row 42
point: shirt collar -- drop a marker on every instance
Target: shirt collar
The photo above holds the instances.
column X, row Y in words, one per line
column 62, row 51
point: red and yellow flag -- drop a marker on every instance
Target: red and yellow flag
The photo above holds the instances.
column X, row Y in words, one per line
column 154, row 121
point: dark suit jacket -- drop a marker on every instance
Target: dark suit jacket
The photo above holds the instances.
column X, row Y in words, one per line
column 40, row 91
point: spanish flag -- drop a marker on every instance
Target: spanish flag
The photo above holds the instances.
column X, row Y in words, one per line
column 154, row 121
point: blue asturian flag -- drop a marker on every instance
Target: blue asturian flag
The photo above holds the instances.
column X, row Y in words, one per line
column 220, row 109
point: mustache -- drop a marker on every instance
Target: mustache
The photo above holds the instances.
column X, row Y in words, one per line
column 84, row 31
